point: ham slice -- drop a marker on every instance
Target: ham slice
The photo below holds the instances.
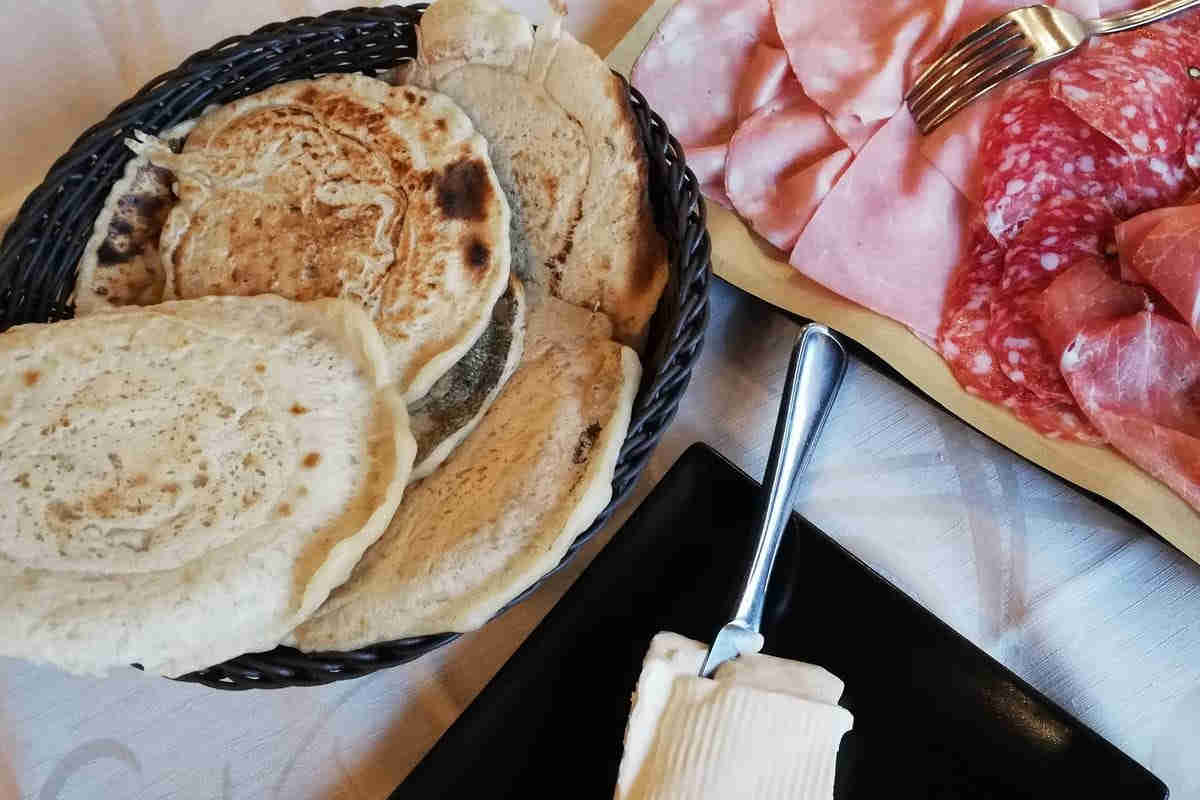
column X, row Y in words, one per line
column 782, row 161
column 694, row 64
column 1167, row 257
column 1137, row 379
column 708, row 165
column 767, row 76
column 890, row 233
column 854, row 58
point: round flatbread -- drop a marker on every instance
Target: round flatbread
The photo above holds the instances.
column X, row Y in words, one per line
column 343, row 186
column 121, row 265
column 184, row 484
column 537, row 470
column 566, row 147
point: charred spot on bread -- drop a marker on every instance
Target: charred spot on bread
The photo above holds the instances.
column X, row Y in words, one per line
column 586, row 440
column 464, row 191
column 477, row 253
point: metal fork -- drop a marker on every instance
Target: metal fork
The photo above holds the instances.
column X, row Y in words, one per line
column 814, row 374
column 1009, row 45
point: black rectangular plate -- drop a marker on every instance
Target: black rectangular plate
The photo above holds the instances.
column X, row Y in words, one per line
column 934, row 716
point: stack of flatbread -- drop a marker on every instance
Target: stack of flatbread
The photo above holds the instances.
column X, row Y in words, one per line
column 352, row 361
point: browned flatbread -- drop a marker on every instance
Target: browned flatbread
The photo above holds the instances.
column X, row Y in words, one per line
column 121, row 265
column 504, row 508
column 340, row 186
column 566, row 149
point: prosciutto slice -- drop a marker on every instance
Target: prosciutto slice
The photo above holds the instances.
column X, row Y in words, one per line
column 1084, row 294
column 1137, row 379
column 1167, row 257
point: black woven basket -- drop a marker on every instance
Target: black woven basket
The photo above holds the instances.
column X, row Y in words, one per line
column 43, row 244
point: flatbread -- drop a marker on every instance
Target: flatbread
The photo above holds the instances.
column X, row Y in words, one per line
column 184, row 484
column 344, row 186
column 537, row 472
column 566, row 149
column 457, row 402
column 121, row 265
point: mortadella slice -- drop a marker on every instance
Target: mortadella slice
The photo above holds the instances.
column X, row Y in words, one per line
column 854, row 58
column 899, row 264
column 1168, row 258
column 694, row 63
column 1137, row 379
column 767, row 76
column 782, row 161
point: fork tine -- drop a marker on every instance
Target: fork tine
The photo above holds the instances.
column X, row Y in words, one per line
column 981, row 69
column 986, row 29
column 972, row 92
column 984, row 49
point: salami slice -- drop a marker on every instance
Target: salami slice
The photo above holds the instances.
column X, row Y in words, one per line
column 1191, row 143
column 1180, row 34
column 1055, row 420
column 1060, row 233
column 1154, row 181
column 962, row 337
column 1021, row 353
column 962, row 341
column 1131, row 87
column 1035, row 148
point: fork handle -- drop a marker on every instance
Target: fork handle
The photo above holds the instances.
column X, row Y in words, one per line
column 1142, row 16
column 814, row 374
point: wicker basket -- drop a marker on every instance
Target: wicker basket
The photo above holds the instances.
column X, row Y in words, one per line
column 44, row 242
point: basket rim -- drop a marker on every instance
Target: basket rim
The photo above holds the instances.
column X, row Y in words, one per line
column 677, row 327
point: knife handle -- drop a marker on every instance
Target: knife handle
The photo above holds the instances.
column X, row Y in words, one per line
column 815, row 373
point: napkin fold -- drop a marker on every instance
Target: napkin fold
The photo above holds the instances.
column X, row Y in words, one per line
column 763, row 727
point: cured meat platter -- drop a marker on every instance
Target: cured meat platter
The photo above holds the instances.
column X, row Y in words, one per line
column 919, row 309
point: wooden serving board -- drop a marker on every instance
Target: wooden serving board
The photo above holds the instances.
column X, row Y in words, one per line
column 747, row 261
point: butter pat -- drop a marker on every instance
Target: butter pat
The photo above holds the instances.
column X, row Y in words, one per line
column 763, row 728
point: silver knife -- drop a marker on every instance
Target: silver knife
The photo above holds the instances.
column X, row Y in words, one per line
column 815, row 372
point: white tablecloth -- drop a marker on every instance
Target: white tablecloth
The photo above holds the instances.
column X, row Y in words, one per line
column 1099, row 615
